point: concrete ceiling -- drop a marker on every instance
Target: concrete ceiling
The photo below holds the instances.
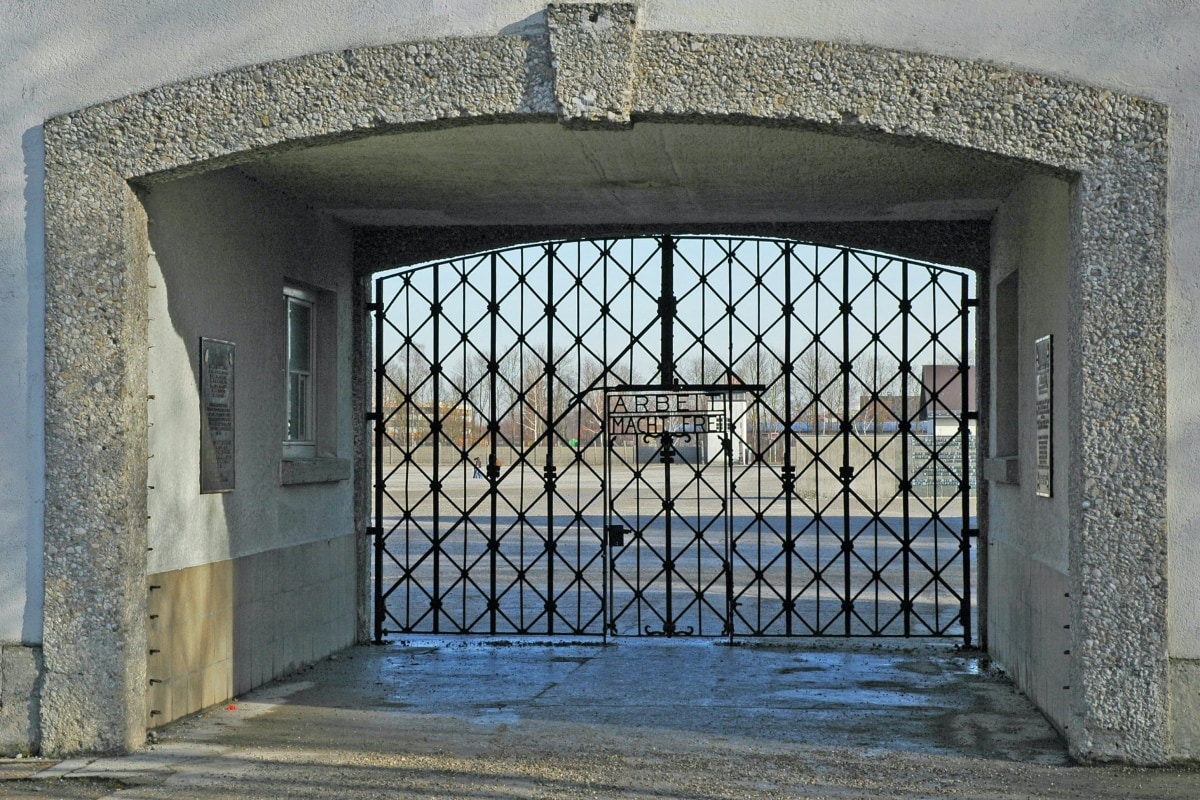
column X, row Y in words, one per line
column 545, row 174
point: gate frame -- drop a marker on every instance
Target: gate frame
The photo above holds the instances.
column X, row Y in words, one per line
column 609, row 559
column 387, row 297
column 596, row 67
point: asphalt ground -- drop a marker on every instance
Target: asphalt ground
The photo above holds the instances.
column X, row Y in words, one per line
column 645, row 718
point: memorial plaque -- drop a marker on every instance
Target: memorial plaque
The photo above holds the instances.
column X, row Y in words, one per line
column 216, row 416
column 1043, row 359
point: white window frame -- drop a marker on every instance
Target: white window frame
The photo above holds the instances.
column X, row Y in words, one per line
column 300, row 443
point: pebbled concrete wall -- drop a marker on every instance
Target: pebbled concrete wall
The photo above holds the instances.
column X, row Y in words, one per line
column 20, row 692
column 1114, row 144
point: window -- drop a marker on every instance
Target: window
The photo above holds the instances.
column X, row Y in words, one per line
column 311, row 416
column 300, row 438
column 1007, row 345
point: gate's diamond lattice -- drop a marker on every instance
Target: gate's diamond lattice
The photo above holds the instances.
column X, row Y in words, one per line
column 812, row 479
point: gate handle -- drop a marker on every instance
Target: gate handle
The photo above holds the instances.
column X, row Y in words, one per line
column 614, row 535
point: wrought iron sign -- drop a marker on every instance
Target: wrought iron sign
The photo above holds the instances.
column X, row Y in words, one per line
column 673, row 435
column 663, row 415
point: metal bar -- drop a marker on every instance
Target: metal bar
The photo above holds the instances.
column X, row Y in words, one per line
column 668, row 546
column 379, row 444
column 731, row 427
column 753, row 447
column 608, row 622
column 905, row 456
column 697, row 388
column 936, row 401
column 727, row 455
column 407, row 456
column 818, row 570
column 637, row 482
column 605, row 554
column 549, row 475
column 494, row 441
column 523, row 449
column 847, row 469
column 436, row 525
column 666, row 313
column 666, row 305
column 964, row 368
column 874, row 396
column 789, row 468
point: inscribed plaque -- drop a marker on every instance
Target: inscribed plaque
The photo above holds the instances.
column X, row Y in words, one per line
column 1043, row 359
column 216, row 416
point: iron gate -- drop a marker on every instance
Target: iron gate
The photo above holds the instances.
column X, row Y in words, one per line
column 674, row 435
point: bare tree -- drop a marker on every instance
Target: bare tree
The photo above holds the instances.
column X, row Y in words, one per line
column 407, row 395
column 818, row 387
column 587, row 416
column 878, row 384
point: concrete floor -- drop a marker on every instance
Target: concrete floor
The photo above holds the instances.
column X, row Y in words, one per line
column 639, row 718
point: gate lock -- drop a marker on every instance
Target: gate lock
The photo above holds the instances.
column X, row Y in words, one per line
column 614, row 535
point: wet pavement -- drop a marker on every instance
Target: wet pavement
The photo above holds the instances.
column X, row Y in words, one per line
column 639, row 718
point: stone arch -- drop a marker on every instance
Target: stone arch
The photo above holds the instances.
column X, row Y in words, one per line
column 595, row 67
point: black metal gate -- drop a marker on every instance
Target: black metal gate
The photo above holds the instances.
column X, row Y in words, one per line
column 671, row 436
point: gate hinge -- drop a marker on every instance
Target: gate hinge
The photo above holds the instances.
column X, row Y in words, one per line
column 373, row 530
column 374, row 416
column 972, row 415
column 377, row 306
column 972, row 302
column 972, row 533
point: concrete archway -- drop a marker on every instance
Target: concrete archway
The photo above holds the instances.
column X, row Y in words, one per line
column 595, row 69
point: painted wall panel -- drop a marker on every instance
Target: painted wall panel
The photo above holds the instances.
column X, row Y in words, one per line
column 223, row 250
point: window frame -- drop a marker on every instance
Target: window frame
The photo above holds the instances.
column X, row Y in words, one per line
column 303, row 444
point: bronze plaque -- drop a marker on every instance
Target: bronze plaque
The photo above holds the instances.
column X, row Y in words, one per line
column 217, row 472
column 1043, row 360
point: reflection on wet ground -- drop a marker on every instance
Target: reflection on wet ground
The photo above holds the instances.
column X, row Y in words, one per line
column 421, row 718
column 917, row 697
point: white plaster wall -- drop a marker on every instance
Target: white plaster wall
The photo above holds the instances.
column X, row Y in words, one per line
column 1028, row 535
column 1031, row 235
column 72, row 53
column 223, row 249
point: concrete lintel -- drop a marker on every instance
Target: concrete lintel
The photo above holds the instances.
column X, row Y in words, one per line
column 592, row 49
column 963, row 243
